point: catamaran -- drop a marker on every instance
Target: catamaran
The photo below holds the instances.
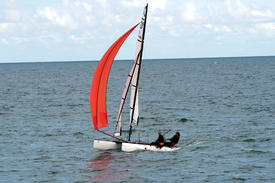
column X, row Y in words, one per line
column 98, row 96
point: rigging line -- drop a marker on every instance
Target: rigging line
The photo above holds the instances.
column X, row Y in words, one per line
column 112, row 136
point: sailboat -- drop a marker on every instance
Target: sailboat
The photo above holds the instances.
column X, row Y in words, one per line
column 98, row 96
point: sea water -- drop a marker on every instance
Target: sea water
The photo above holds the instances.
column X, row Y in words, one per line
column 224, row 109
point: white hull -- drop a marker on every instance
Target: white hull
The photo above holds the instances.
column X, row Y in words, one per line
column 130, row 147
column 106, row 145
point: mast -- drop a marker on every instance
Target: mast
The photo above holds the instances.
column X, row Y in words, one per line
column 134, row 91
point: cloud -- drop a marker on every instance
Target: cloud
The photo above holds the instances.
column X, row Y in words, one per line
column 103, row 3
column 4, row 41
column 84, row 5
column 154, row 4
column 266, row 13
column 65, row 2
column 245, row 13
column 267, row 29
column 50, row 14
column 162, row 20
column 49, row 38
column 133, row 3
column 71, row 21
column 188, row 12
column 268, row 26
column 157, row 4
column 89, row 19
column 218, row 28
column 236, row 9
column 174, row 33
column 20, row 39
column 11, row 15
column 7, row 27
column 81, row 39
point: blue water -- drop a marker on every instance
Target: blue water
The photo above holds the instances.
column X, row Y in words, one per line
column 224, row 109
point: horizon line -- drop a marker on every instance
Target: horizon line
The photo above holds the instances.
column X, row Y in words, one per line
column 151, row 59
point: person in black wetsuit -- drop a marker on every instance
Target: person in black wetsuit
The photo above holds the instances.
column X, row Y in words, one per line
column 159, row 142
column 173, row 141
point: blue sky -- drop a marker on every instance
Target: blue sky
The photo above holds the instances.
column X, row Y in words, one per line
column 71, row 30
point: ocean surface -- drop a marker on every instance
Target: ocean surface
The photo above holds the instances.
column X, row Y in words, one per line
column 224, row 109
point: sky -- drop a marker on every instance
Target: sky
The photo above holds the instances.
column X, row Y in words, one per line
column 78, row 30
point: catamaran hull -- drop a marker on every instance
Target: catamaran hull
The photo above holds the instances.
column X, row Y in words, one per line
column 106, row 145
column 130, row 147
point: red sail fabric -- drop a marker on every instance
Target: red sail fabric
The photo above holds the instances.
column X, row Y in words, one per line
column 99, row 83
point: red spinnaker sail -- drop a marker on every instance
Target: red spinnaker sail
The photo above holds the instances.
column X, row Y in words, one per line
column 99, row 83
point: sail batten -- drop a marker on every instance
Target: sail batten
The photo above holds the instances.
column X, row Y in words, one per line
column 99, row 83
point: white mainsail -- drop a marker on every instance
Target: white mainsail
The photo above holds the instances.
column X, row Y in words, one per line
column 134, row 114
column 134, row 92
column 133, row 79
column 124, row 95
column 134, row 109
